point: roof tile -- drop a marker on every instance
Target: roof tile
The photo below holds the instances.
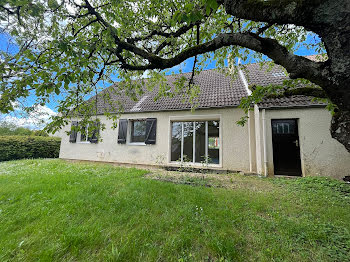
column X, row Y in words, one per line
column 217, row 90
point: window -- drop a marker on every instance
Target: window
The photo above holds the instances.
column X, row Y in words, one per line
column 73, row 132
column 142, row 131
column 88, row 134
column 213, row 142
column 196, row 142
column 176, row 138
column 283, row 128
column 138, row 131
column 187, row 142
column 82, row 136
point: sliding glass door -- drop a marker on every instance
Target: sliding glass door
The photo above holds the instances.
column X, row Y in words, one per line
column 196, row 142
column 200, row 141
column 213, row 142
column 176, row 141
column 187, row 138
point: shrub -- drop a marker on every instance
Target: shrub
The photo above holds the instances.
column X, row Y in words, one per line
column 18, row 147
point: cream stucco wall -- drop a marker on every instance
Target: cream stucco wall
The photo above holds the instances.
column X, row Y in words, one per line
column 321, row 155
column 234, row 140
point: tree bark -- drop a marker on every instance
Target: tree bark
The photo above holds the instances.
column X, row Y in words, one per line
column 330, row 19
column 340, row 128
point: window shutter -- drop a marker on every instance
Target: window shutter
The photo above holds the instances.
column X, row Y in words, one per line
column 73, row 134
column 151, row 131
column 123, row 127
column 84, row 133
column 95, row 132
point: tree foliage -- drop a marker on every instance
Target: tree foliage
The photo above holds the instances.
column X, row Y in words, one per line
column 71, row 49
column 10, row 129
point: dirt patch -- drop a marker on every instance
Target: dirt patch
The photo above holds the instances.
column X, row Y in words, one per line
column 230, row 180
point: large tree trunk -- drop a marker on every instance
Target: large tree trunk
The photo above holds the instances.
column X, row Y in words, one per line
column 337, row 42
column 330, row 19
column 340, row 128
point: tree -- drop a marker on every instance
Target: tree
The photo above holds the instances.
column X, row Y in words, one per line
column 68, row 47
column 11, row 129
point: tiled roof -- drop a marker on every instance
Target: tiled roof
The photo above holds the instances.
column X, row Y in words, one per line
column 290, row 102
column 261, row 76
column 217, row 90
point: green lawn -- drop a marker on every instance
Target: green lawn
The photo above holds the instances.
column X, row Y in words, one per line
column 54, row 210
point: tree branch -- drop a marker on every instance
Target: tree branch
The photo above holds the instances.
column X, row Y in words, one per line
column 15, row 11
column 85, row 26
column 195, row 59
column 263, row 29
column 8, row 10
column 297, row 66
column 177, row 33
column 275, row 12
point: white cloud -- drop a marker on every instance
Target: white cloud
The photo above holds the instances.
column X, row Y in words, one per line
column 37, row 119
column 72, row 9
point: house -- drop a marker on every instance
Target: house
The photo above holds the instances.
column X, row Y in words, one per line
column 283, row 136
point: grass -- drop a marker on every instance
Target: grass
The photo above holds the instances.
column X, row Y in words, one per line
column 51, row 210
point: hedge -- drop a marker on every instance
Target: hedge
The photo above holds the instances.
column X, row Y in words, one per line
column 19, row 147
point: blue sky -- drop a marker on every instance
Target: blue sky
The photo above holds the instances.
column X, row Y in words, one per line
column 185, row 66
column 6, row 45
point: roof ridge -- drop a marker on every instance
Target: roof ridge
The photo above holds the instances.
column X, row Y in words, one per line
column 218, row 90
column 218, row 69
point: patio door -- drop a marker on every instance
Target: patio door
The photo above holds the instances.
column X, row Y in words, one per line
column 286, row 151
column 195, row 142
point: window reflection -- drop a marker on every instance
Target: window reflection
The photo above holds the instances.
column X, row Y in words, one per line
column 213, row 142
column 197, row 142
column 176, row 137
column 200, row 142
column 138, row 131
column 283, row 127
column 188, row 142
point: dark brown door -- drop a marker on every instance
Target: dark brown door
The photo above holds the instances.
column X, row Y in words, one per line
column 286, row 151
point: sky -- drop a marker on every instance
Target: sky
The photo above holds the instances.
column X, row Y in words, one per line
column 42, row 114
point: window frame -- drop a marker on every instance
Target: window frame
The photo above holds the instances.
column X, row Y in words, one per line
column 198, row 118
column 130, row 129
column 86, row 141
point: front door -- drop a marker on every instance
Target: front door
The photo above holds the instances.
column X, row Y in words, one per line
column 286, row 152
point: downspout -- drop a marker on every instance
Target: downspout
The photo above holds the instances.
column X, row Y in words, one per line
column 264, row 142
column 249, row 144
column 249, row 92
column 257, row 139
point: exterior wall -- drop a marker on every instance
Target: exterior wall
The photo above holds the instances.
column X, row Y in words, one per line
column 234, row 152
column 321, row 155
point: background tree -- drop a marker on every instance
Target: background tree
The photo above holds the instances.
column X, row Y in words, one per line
column 71, row 47
column 10, row 129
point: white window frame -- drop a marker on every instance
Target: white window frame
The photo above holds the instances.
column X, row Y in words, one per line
column 128, row 138
column 195, row 118
column 86, row 138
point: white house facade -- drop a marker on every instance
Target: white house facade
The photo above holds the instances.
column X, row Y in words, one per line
column 284, row 136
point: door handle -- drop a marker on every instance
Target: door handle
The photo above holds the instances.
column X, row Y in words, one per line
column 296, row 142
